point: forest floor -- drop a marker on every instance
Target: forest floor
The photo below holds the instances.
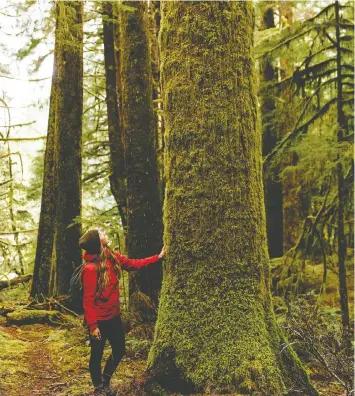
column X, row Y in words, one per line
column 40, row 360
column 44, row 360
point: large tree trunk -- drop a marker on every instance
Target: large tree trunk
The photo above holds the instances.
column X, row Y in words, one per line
column 57, row 247
column 43, row 259
column 216, row 329
column 117, row 166
column 273, row 186
column 144, row 218
column 342, row 127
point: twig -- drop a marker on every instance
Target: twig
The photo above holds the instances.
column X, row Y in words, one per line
column 57, row 384
column 53, row 300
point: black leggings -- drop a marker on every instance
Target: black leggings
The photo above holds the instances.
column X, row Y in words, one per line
column 112, row 330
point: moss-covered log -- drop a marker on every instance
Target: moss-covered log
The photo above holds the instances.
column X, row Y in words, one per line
column 216, row 329
column 25, row 317
column 11, row 282
column 144, row 218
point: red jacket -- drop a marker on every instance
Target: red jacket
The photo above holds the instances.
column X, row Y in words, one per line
column 105, row 305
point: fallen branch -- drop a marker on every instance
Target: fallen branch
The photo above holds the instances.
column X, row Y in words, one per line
column 64, row 308
column 11, row 282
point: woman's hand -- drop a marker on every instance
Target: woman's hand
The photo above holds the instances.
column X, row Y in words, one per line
column 161, row 254
column 96, row 333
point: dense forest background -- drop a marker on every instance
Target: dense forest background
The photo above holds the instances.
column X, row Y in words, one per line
column 91, row 96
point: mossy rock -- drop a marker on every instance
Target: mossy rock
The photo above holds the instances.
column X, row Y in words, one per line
column 24, row 317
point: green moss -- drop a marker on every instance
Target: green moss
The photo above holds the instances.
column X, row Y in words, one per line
column 216, row 331
column 72, row 358
column 13, row 364
column 33, row 316
column 13, row 295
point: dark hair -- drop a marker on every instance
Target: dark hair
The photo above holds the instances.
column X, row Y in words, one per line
column 90, row 242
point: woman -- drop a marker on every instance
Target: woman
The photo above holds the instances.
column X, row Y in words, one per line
column 100, row 277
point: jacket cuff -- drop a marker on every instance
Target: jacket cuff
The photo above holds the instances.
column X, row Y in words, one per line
column 93, row 326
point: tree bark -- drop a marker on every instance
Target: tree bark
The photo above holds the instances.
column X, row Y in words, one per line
column 144, row 222
column 66, row 253
column 272, row 184
column 216, row 329
column 41, row 271
column 57, row 247
column 342, row 127
column 154, row 28
column 117, row 163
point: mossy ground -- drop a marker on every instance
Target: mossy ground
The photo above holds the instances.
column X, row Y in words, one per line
column 44, row 360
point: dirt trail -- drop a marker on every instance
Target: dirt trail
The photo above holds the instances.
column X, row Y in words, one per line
column 42, row 378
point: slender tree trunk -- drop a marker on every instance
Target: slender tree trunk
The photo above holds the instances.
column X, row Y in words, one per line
column 12, row 215
column 117, row 49
column 117, row 165
column 11, row 194
column 296, row 201
column 57, row 247
column 154, row 27
column 216, row 329
column 144, row 219
column 342, row 127
column 272, row 186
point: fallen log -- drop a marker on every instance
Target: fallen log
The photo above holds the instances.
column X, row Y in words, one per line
column 11, row 282
column 4, row 311
column 25, row 316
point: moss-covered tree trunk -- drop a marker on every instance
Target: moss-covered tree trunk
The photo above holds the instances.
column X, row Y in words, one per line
column 144, row 217
column 154, row 27
column 117, row 166
column 66, row 253
column 342, row 129
column 273, row 186
column 57, row 247
column 216, row 329
column 43, row 259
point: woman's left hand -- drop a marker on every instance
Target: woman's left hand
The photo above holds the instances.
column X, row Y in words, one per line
column 161, row 254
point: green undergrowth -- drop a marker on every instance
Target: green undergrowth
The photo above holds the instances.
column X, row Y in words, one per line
column 305, row 277
column 70, row 351
column 13, row 296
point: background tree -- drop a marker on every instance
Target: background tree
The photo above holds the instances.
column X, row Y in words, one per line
column 57, row 247
column 216, row 330
column 144, row 220
column 322, row 83
column 272, row 186
column 117, row 161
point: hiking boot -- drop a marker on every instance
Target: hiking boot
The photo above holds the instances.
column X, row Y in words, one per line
column 109, row 391
column 99, row 391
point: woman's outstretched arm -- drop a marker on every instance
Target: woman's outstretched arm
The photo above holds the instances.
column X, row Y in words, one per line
column 129, row 263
